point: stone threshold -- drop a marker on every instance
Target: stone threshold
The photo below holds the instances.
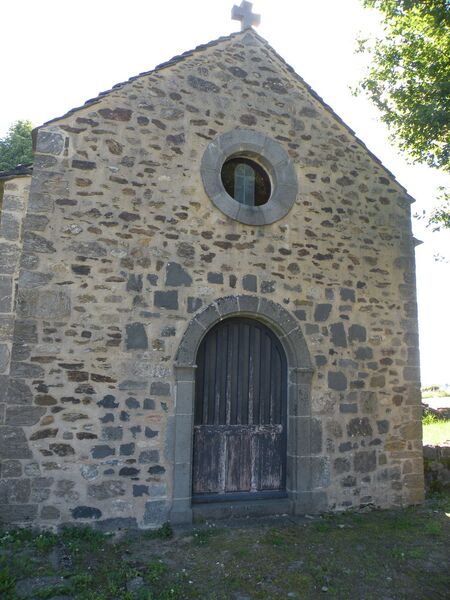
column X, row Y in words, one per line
column 253, row 508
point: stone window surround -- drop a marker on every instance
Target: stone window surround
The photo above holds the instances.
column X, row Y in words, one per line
column 271, row 155
column 300, row 463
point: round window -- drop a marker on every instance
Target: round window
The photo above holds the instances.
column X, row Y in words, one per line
column 246, row 181
column 249, row 177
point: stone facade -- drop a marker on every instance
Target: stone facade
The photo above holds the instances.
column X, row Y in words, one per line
column 126, row 263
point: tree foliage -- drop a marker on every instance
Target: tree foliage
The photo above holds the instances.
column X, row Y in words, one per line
column 409, row 76
column 16, row 146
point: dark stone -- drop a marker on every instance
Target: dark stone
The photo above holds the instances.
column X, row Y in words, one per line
column 149, row 456
column 341, row 465
column 112, row 433
column 320, row 360
column 116, row 114
column 158, row 388
column 129, row 472
column 344, row 181
column 168, row 300
column 311, row 329
column 348, row 481
column 108, row 401
column 176, row 275
column 348, row 408
column 364, row 462
column 140, row 490
column 338, row 337
column 202, row 84
column 359, row 427
column 84, row 165
column 275, row 85
column 127, row 449
column 81, row 269
column 149, row 404
column 300, row 314
column 86, row 512
column 134, row 283
column 322, row 312
column 233, row 280
column 345, row 447
column 124, row 416
column 136, row 337
column 347, row 294
column 383, row 426
column 357, row 333
column 43, row 434
column 249, row 283
column 267, row 287
column 108, row 418
column 152, row 279
column 337, row 381
column 238, row 72
column 132, row 402
column 62, row 449
column 185, row 250
column 193, row 304
column 129, row 217
column 102, row 451
column 178, row 139
column 150, row 433
column 364, row 353
column 85, row 435
column 168, row 331
column 215, row 278
column 156, row 470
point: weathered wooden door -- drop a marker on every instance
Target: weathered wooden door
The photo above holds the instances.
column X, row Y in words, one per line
column 240, row 413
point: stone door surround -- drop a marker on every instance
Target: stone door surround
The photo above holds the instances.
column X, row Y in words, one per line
column 300, row 372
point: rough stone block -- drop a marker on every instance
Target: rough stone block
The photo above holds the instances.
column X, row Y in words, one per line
column 13, row 443
column 136, row 337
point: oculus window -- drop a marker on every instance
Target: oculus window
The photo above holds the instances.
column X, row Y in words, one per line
column 249, row 177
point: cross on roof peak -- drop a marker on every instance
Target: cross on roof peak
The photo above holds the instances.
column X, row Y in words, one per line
column 243, row 13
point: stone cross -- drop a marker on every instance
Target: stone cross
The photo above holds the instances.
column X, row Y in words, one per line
column 243, row 13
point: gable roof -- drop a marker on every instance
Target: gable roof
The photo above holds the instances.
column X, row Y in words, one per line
column 198, row 49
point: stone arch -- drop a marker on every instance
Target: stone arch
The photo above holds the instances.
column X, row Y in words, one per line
column 300, row 372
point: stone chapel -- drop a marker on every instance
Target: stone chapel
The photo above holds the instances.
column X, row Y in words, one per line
column 207, row 306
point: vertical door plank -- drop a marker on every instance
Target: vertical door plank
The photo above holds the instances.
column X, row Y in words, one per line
column 207, row 461
column 238, row 471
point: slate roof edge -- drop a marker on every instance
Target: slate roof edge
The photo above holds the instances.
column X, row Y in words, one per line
column 178, row 58
column 18, row 171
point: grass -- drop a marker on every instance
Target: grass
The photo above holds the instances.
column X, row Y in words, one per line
column 396, row 554
column 436, row 430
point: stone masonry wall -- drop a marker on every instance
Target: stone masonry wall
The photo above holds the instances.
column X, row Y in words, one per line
column 122, row 248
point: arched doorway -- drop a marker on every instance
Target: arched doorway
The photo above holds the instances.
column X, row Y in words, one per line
column 240, row 413
column 299, row 463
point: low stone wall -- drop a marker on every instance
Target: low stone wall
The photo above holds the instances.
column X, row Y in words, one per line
column 436, row 461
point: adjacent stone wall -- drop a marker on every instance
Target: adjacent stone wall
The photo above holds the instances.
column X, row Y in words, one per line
column 123, row 248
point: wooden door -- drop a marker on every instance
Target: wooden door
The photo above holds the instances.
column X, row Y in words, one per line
column 240, row 413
